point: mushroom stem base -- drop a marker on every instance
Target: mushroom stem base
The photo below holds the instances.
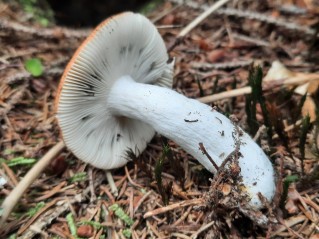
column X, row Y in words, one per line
column 191, row 124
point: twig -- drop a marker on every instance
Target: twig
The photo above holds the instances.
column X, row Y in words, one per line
column 203, row 228
column 257, row 42
column 138, row 204
column 195, row 22
column 10, row 174
column 201, row 17
column 173, row 206
column 91, row 185
column 130, row 179
column 28, row 179
column 259, row 131
column 48, row 216
column 51, row 192
column 26, row 75
column 225, row 95
column 27, row 225
column 56, row 32
column 183, row 217
column 289, row 223
column 154, row 230
column 107, row 218
column 296, row 80
column 223, row 65
column 13, row 99
column 203, row 149
column 312, row 204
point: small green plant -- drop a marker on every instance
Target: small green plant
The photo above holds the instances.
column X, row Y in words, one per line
column 96, row 225
column 20, row 161
column 174, row 163
column 119, row 212
column 149, row 6
column 78, row 177
column 201, row 91
column 305, row 126
column 8, row 151
column 255, row 81
column 215, row 86
column 163, row 189
column 34, row 66
column 127, row 233
column 279, row 127
column 71, row 223
column 34, row 210
column 12, row 236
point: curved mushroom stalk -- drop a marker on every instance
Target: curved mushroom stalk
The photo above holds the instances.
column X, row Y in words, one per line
column 114, row 95
column 190, row 123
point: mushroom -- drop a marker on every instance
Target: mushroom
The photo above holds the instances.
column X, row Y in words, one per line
column 115, row 94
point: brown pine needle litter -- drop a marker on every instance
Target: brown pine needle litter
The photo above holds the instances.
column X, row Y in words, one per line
column 215, row 44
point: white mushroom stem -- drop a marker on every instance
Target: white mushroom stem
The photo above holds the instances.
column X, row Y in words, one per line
column 190, row 123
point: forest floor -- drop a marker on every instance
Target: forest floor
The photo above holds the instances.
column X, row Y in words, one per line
column 71, row 199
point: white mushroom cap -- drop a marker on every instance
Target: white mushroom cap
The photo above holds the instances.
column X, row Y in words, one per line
column 127, row 44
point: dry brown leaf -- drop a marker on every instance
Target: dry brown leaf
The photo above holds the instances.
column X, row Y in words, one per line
column 309, row 108
column 313, row 87
column 278, row 71
column 302, row 89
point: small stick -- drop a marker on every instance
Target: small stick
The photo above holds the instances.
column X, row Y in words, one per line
column 182, row 217
column 195, row 22
column 10, row 174
column 296, row 80
column 57, row 32
column 225, row 95
column 138, row 204
column 201, row 17
column 39, row 213
column 222, row 65
column 203, row 228
column 259, row 131
column 91, row 185
column 173, row 206
column 130, row 179
column 202, row 148
column 28, row 179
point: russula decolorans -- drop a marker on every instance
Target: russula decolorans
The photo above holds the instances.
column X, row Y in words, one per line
column 114, row 95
